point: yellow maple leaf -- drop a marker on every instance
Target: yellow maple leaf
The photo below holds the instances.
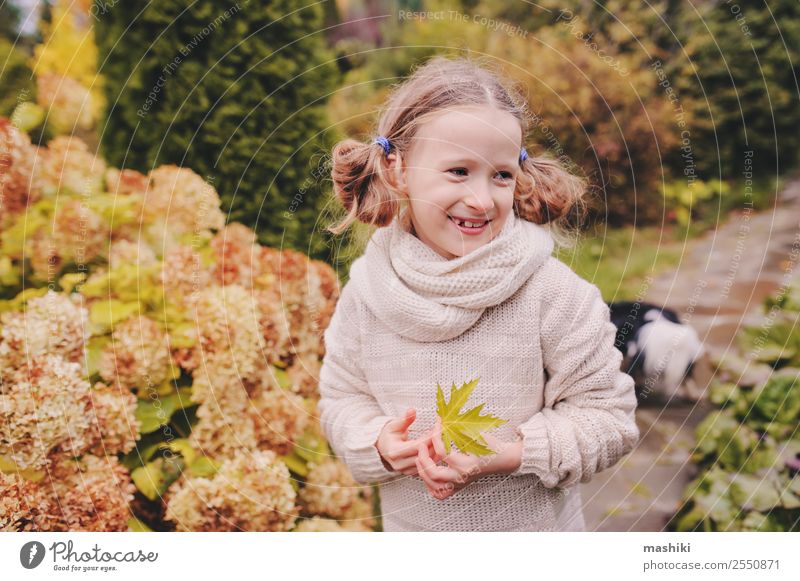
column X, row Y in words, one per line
column 464, row 429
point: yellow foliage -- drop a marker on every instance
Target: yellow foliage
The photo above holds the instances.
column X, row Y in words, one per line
column 68, row 49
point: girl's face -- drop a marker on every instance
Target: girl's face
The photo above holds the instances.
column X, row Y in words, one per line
column 462, row 166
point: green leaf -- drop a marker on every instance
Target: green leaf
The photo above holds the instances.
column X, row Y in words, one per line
column 464, row 429
column 181, row 446
column 753, row 492
column 19, row 301
column 154, row 478
column 311, row 448
column 183, row 335
column 204, row 467
column 94, row 353
column 8, row 466
column 106, row 314
column 70, row 280
column 295, row 463
column 690, row 520
column 282, row 377
column 152, row 416
column 137, row 526
column 27, row 116
column 9, row 272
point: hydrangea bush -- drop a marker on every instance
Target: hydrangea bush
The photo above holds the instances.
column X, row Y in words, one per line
column 158, row 368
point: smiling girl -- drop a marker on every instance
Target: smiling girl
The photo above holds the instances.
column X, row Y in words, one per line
column 459, row 282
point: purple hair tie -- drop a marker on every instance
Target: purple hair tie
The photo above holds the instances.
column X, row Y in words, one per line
column 384, row 143
column 523, row 155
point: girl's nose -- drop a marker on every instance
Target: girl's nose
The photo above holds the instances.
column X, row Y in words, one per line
column 480, row 201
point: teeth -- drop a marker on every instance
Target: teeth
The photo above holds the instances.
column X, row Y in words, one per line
column 469, row 224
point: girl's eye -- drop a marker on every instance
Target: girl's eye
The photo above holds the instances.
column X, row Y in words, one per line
column 461, row 171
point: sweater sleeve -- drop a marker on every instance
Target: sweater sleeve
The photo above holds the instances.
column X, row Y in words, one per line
column 587, row 422
column 350, row 417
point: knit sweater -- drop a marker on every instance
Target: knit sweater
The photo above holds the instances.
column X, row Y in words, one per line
column 538, row 336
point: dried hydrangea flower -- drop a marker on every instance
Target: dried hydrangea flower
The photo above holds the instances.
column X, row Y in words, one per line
column 114, row 427
column 124, row 252
column 236, row 254
column 229, row 335
column 53, row 324
column 44, row 409
column 67, row 165
column 279, row 418
column 330, row 489
column 69, row 103
column 181, row 201
column 78, row 234
column 93, row 493
column 125, row 182
column 221, row 434
column 137, row 357
column 19, row 185
column 183, row 274
column 250, row 492
column 304, row 375
column 318, row 524
column 26, row 506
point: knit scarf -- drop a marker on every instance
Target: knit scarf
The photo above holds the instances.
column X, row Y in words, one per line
column 421, row 295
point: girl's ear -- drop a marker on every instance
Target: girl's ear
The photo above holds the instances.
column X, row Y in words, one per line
column 397, row 172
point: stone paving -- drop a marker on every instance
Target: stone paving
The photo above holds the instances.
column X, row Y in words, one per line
column 718, row 287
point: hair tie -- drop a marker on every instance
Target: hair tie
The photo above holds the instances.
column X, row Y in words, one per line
column 384, row 142
column 523, row 155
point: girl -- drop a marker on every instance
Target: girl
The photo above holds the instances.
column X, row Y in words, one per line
column 458, row 284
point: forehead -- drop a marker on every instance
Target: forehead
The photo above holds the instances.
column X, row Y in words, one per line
column 482, row 132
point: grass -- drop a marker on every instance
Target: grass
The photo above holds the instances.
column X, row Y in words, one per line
column 619, row 261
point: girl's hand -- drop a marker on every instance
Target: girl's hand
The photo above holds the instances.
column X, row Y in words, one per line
column 461, row 469
column 397, row 451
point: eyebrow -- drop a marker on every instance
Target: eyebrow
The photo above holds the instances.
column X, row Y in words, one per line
column 466, row 161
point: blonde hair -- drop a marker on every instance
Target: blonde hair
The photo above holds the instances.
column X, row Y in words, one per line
column 545, row 191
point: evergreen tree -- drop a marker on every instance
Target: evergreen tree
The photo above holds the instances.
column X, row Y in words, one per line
column 743, row 73
column 236, row 92
column 9, row 20
column 15, row 78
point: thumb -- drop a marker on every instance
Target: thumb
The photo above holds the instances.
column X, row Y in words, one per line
column 402, row 423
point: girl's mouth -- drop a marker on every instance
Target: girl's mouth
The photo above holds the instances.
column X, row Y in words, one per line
column 468, row 227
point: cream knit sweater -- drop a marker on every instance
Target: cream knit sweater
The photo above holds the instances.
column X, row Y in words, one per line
column 538, row 336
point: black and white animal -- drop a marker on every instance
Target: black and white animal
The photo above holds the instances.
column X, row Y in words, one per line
column 659, row 351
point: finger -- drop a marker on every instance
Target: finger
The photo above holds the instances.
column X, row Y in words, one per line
column 402, row 423
column 437, row 473
column 433, row 453
column 424, row 465
column 441, row 492
column 458, row 459
column 410, row 471
column 438, row 493
column 430, row 483
column 406, row 464
column 411, row 447
column 438, row 443
column 465, row 465
column 405, row 448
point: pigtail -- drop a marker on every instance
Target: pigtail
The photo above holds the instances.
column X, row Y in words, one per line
column 546, row 193
column 364, row 185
